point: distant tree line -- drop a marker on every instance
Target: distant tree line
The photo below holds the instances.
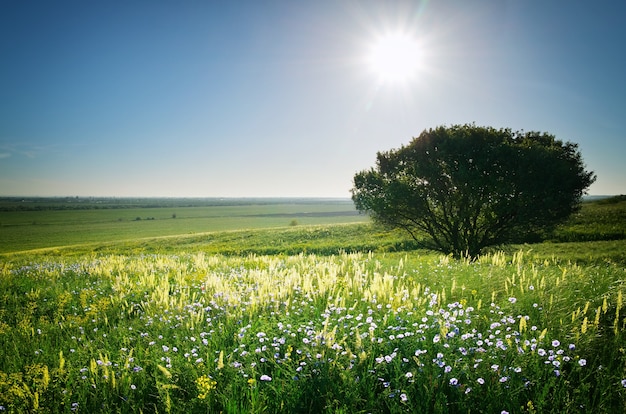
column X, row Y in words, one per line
column 97, row 203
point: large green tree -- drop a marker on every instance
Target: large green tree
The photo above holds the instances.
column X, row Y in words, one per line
column 461, row 188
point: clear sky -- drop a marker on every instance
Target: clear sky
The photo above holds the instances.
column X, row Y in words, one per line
column 282, row 98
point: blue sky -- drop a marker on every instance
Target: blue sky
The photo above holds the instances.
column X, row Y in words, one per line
column 276, row 98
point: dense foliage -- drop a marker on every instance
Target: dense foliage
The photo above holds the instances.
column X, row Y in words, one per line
column 468, row 187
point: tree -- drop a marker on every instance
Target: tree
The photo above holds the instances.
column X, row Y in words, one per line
column 461, row 188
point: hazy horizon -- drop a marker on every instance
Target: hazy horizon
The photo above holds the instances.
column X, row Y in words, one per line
column 290, row 99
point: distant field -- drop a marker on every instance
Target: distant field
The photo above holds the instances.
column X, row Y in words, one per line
column 207, row 225
column 34, row 225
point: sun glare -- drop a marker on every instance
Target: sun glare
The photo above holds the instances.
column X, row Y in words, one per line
column 394, row 57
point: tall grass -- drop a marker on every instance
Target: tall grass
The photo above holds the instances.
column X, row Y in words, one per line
column 193, row 332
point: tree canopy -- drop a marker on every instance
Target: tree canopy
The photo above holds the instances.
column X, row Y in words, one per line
column 461, row 188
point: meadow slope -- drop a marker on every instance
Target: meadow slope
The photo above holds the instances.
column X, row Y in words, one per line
column 312, row 319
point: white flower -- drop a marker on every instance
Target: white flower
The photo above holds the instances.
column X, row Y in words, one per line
column 265, row 378
column 582, row 362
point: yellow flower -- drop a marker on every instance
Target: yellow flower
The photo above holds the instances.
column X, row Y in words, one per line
column 205, row 385
column 220, row 360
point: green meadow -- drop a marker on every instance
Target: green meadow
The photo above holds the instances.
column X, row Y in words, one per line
column 32, row 225
column 302, row 308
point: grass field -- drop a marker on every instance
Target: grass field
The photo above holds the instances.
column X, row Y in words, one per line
column 32, row 225
column 329, row 318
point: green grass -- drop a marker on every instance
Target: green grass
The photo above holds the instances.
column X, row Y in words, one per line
column 599, row 220
column 44, row 228
column 313, row 319
column 392, row 332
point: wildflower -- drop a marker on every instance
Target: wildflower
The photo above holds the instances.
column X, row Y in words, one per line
column 454, row 381
column 403, row 397
column 556, row 343
column 265, row 378
column 480, row 381
column 205, row 384
column 512, row 300
column 409, row 375
column 624, row 383
column 133, row 387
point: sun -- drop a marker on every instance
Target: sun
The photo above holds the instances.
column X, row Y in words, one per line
column 394, row 57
